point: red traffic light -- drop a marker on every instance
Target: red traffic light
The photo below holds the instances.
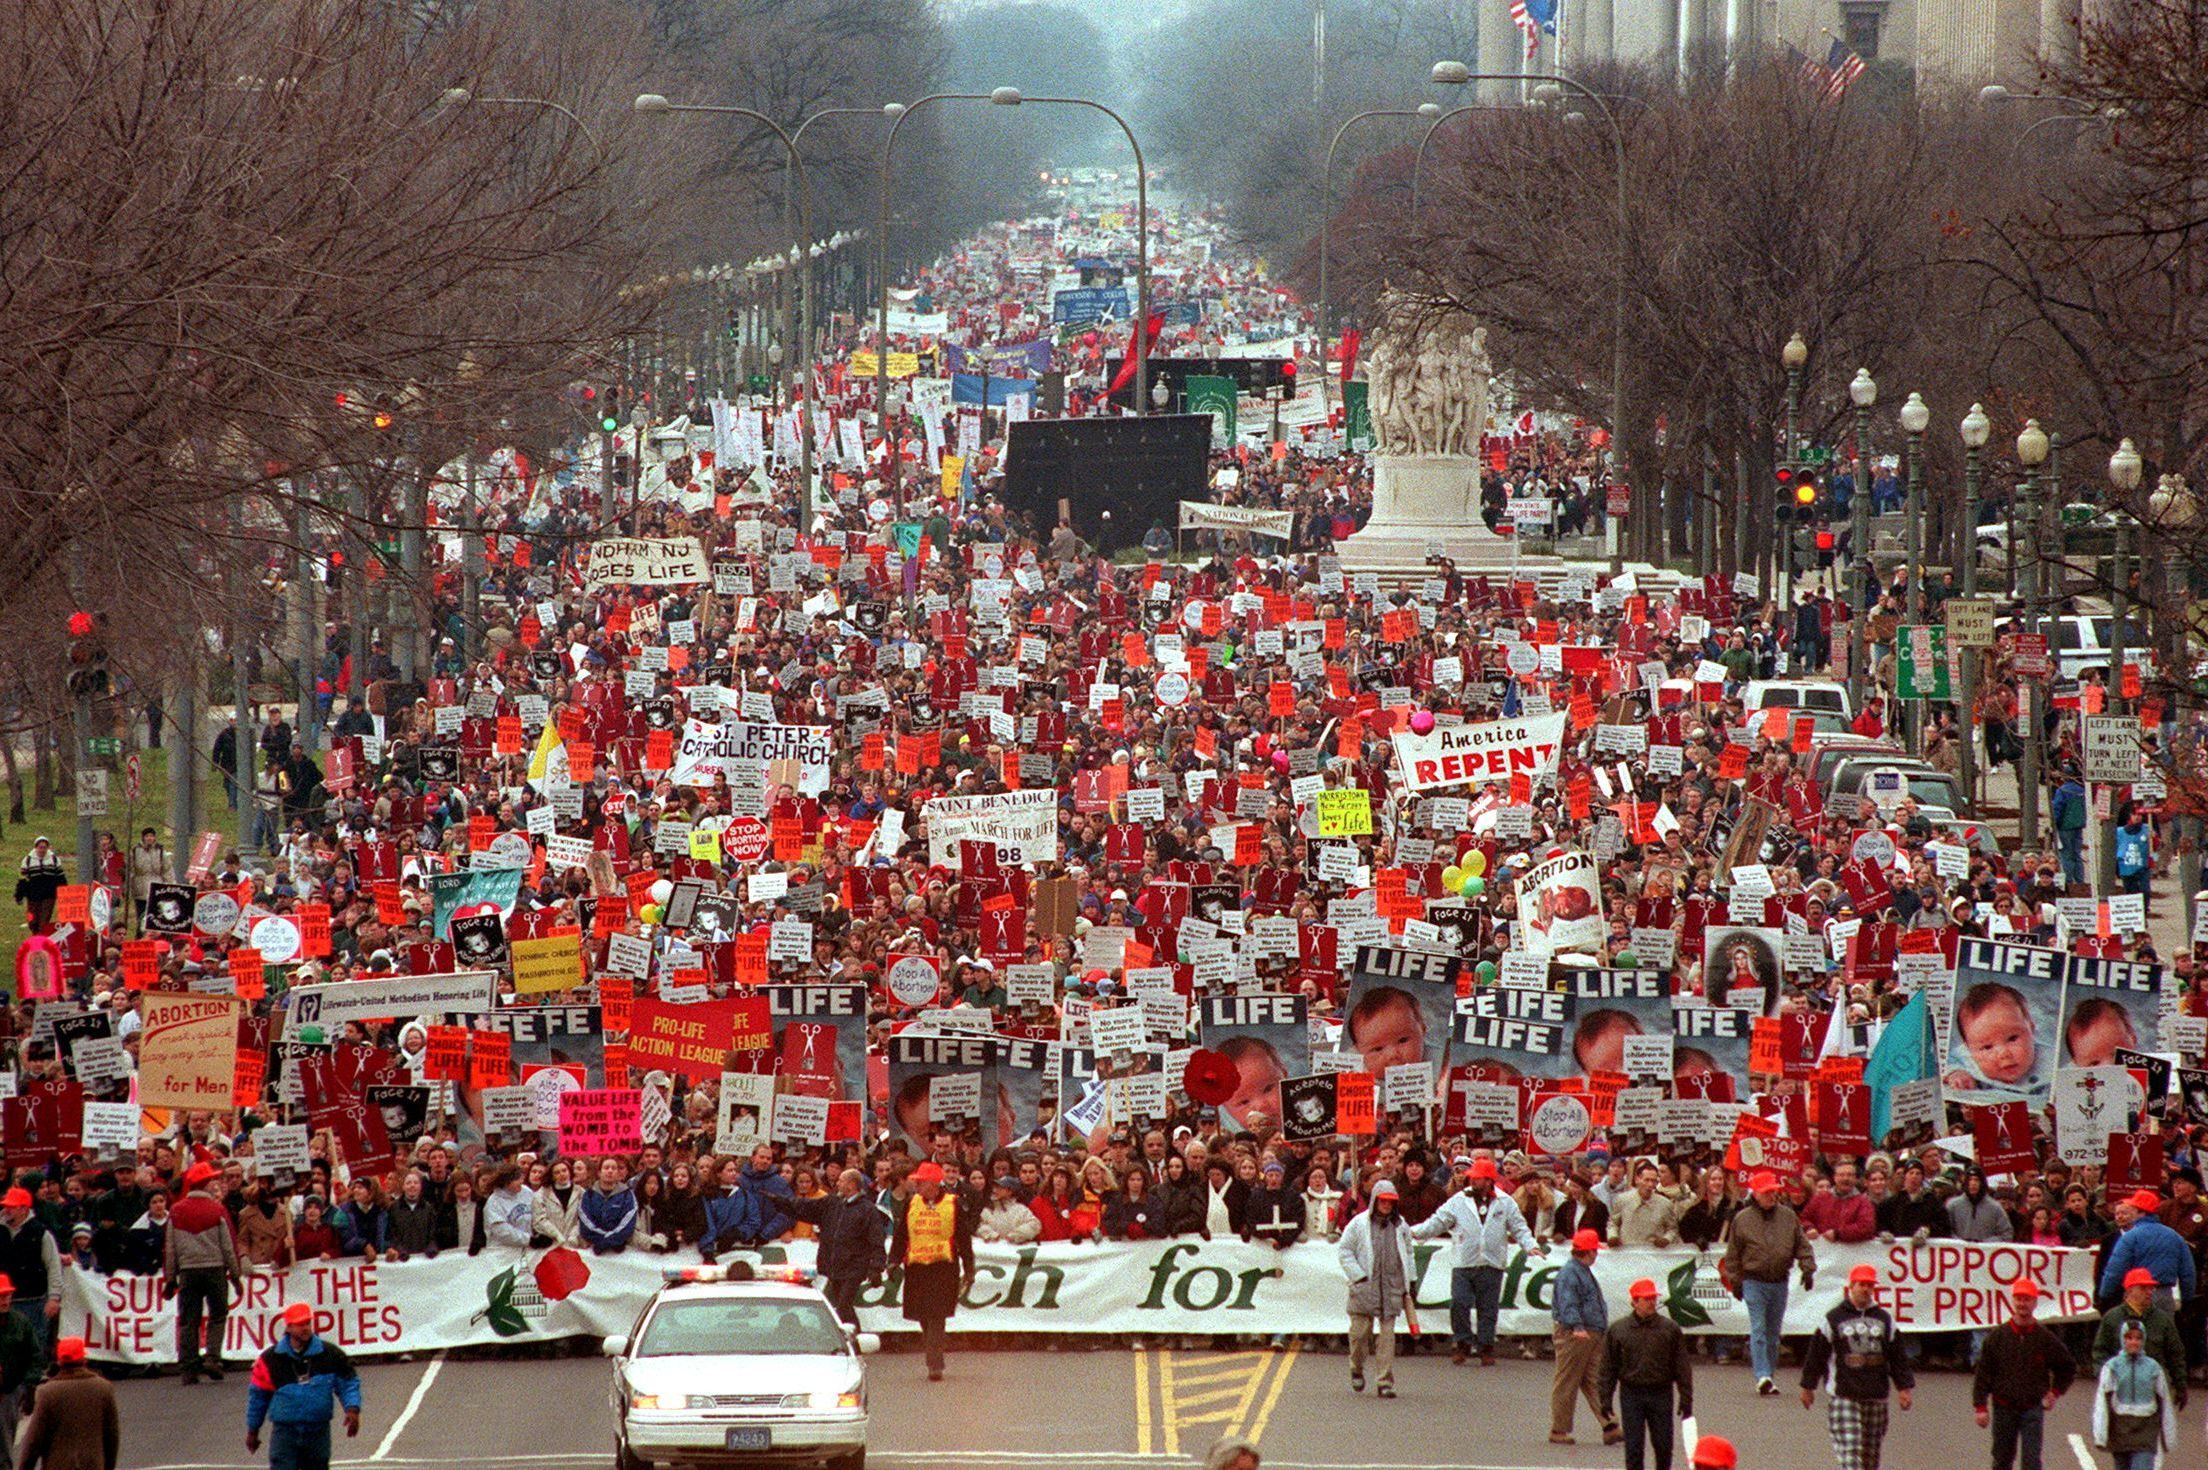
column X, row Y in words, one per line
column 589, row 393
column 1288, row 368
column 80, row 625
column 1824, row 541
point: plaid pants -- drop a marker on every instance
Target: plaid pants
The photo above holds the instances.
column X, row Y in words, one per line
column 1858, row 1429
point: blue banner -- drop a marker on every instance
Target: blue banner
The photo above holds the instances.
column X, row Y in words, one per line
column 1089, row 304
column 967, row 388
column 1004, row 360
column 1180, row 313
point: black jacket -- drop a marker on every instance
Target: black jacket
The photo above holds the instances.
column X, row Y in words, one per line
column 1135, row 1217
column 1856, row 1354
column 1186, row 1204
column 681, row 1218
column 1646, row 1353
column 849, row 1246
column 412, row 1228
column 2019, row 1368
column 1899, row 1215
column 1274, row 1215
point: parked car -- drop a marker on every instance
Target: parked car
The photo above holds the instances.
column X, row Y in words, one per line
column 1807, row 694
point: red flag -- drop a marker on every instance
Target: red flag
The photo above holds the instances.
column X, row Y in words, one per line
column 1127, row 368
column 1351, row 341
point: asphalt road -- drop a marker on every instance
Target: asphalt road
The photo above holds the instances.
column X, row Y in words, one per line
column 1111, row 1409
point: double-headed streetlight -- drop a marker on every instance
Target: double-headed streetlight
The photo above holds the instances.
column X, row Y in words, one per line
column 2031, row 452
column 652, row 104
column 1863, row 393
column 1975, row 429
column 1326, row 209
column 1005, row 97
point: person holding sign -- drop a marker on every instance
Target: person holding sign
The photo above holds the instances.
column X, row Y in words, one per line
column 935, row 1245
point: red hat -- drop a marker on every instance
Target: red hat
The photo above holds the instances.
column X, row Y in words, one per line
column 2139, row 1276
column 299, row 1314
column 1761, row 1180
column 7, row 1283
column 929, row 1172
column 199, row 1174
column 1714, row 1452
column 1866, row 1273
column 1482, row 1169
column 17, row 1198
column 1586, row 1240
column 2025, row 1287
column 1642, row 1287
column 2146, row 1201
column 69, row 1350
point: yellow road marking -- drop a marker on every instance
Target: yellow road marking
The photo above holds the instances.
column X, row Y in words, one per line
column 1165, row 1402
column 1143, row 1442
column 1256, row 1431
column 1196, row 1400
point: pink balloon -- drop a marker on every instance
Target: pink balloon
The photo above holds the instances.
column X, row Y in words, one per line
column 1422, row 722
column 1280, row 760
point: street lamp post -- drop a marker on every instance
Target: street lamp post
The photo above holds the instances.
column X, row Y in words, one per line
column 1326, row 210
column 1418, row 160
column 1975, row 430
column 1915, row 418
column 1793, row 356
column 652, row 103
column 2123, row 478
column 1862, row 392
column 2031, row 453
column 1456, row 74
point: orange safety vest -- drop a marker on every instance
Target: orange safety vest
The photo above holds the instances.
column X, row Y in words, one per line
column 928, row 1229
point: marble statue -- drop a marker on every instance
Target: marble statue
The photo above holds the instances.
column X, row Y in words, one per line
column 1428, row 383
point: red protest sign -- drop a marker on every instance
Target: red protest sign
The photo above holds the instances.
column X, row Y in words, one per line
column 2003, row 1133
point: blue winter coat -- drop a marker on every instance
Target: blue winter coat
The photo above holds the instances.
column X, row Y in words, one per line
column 742, row 1217
column 290, row 1386
column 607, row 1218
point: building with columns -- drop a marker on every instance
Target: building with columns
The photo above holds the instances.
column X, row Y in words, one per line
column 1969, row 42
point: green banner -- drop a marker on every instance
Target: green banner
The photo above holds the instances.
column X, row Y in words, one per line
column 1215, row 396
column 448, row 891
column 1920, row 659
column 1357, row 416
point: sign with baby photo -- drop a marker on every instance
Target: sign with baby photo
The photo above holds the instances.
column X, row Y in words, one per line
column 1268, row 1038
column 2108, row 1006
column 2004, row 1031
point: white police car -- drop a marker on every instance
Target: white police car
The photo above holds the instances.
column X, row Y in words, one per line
column 728, row 1366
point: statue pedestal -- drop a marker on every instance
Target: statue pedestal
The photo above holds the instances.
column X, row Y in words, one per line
column 1420, row 500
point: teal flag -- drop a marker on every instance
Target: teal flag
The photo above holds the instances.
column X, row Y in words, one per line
column 908, row 538
column 1357, row 416
column 448, row 891
column 1904, row 1054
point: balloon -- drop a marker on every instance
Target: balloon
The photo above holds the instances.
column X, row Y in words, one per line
column 1475, row 862
column 649, row 913
column 1280, row 760
column 1484, row 970
column 1625, row 959
column 662, row 891
column 1474, row 886
column 1422, row 722
column 1452, row 877
column 1262, row 744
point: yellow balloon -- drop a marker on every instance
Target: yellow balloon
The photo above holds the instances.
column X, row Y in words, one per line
column 1475, row 862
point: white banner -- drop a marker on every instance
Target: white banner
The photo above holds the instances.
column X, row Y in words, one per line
column 905, row 322
column 1494, row 750
column 1560, row 902
column 1152, row 1286
column 628, row 561
column 1023, row 825
column 330, row 1006
column 1197, row 514
column 706, row 751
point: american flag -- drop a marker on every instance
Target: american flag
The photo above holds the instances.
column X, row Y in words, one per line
column 1523, row 19
column 1843, row 67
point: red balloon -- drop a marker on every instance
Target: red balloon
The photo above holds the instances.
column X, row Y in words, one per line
column 1210, row 1078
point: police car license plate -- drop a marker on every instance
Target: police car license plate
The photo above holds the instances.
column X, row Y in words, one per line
column 749, row 1438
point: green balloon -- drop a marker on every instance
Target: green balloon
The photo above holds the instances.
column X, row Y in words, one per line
column 1474, row 886
column 1484, row 970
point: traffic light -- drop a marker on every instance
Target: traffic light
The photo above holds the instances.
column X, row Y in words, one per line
column 1288, row 378
column 609, row 422
column 87, row 656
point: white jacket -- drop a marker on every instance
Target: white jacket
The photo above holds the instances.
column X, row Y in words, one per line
column 1011, row 1222
column 1355, row 1253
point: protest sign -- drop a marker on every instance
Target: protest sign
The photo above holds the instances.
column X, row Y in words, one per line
column 628, row 561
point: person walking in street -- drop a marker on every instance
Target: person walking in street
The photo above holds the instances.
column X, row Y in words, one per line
column 935, row 1245
column 2022, row 1369
column 1484, row 1224
column 848, row 1241
column 2147, row 1243
column 2164, row 1343
column 31, row 1261
column 1856, row 1357
column 1582, row 1322
column 74, row 1423
column 298, row 1382
column 1763, row 1241
column 1375, row 1252
column 199, row 1267
column 1644, row 1359
column 22, row 1364
column 2134, row 1405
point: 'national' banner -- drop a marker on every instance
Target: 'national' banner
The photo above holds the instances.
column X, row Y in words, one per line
column 1197, row 515
column 1492, row 750
column 499, row 1296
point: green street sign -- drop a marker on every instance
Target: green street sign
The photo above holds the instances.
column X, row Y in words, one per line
column 1921, row 661
column 105, row 745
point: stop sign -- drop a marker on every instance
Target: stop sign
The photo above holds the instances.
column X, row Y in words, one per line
column 745, row 840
